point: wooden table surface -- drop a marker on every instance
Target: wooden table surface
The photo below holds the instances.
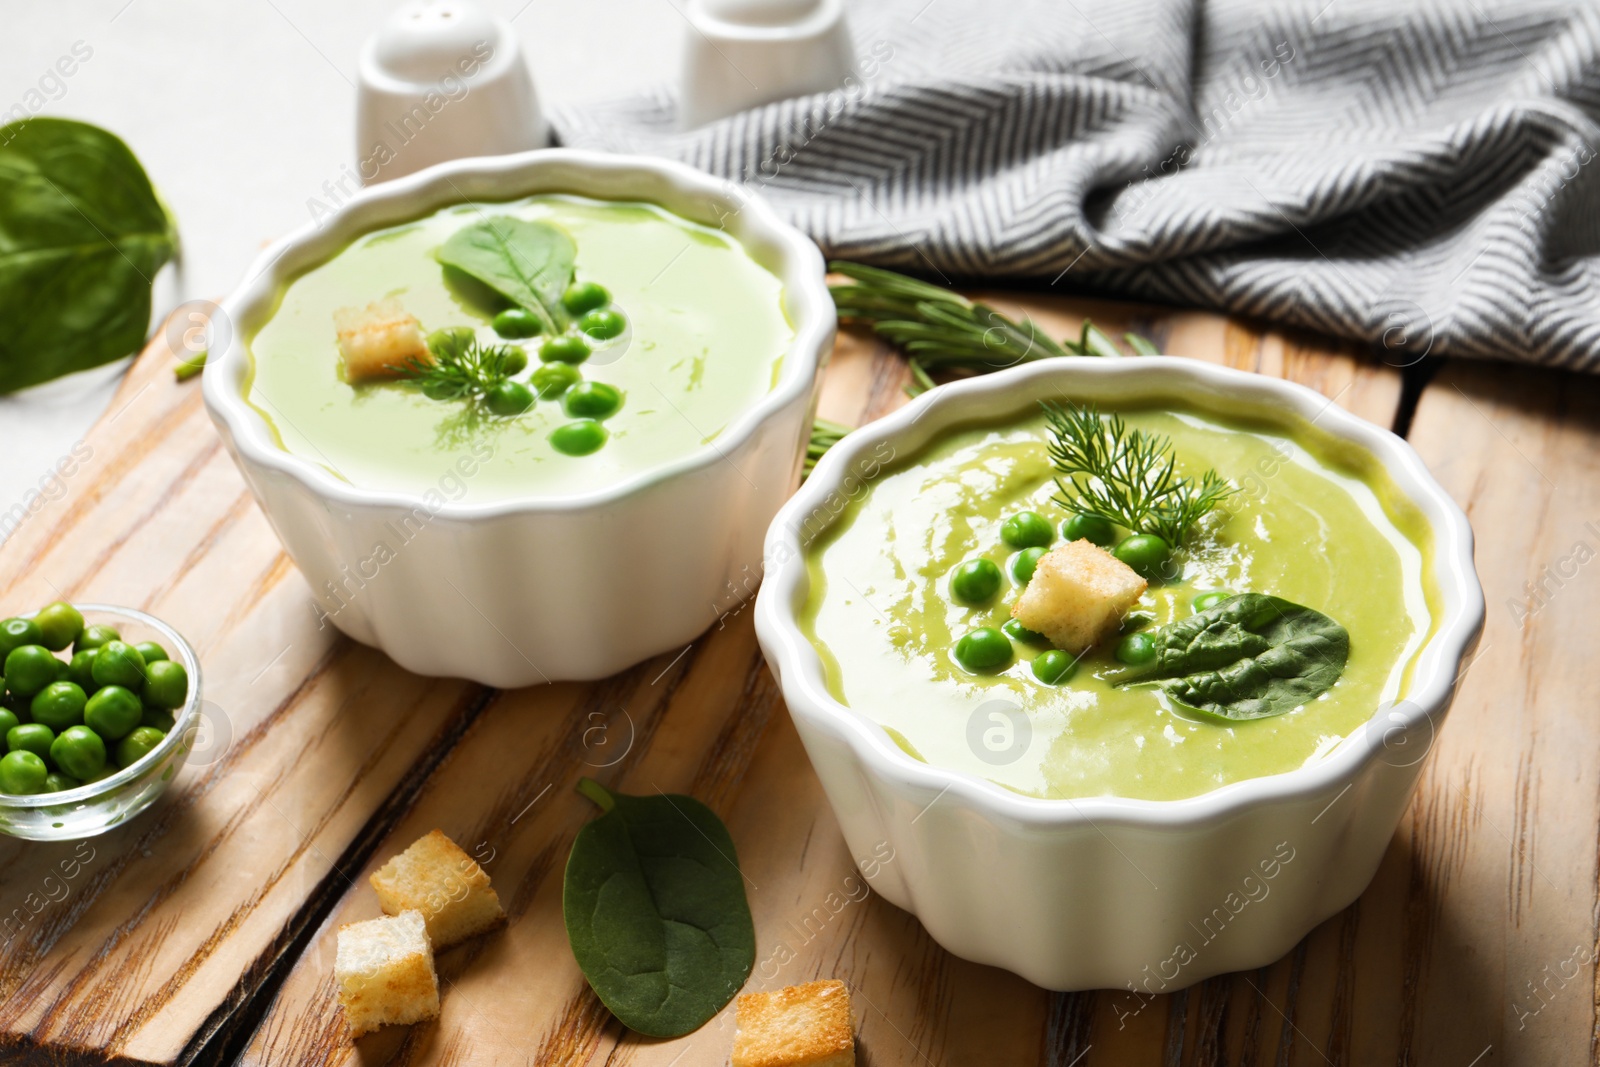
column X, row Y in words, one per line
column 202, row 932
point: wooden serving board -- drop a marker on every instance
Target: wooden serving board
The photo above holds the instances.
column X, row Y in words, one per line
column 202, row 932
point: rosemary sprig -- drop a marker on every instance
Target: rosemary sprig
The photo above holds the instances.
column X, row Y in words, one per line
column 824, row 435
column 1126, row 476
column 937, row 328
column 462, row 368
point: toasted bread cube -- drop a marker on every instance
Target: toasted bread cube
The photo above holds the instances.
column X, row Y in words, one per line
column 442, row 882
column 384, row 971
column 798, row 1026
column 1078, row 596
column 377, row 339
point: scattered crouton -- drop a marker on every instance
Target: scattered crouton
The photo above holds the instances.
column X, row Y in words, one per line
column 1078, row 596
column 799, row 1026
column 435, row 877
column 384, row 971
column 376, row 339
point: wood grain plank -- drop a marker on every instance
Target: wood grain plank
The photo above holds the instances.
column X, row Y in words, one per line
column 1499, row 928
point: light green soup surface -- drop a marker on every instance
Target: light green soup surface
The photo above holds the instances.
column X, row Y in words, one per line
column 1302, row 527
column 707, row 334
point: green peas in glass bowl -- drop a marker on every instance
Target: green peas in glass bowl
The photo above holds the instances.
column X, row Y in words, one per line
column 137, row 739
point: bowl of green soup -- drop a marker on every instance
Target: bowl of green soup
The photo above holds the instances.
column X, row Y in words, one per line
column 1131, row 664
column 525, row 419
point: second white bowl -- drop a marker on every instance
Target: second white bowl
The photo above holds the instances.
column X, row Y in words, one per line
column 540, row 588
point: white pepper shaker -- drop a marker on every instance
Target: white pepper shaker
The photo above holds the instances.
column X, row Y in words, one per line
column 740, row 54
column 440, row 80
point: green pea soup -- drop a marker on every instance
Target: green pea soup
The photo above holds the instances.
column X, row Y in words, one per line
column 1312, row 522
column 705, row 341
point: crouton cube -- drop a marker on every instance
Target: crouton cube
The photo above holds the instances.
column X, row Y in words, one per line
column 378, row 338
column 442, row 882
column 1078, row 596
column 798, row 1026
column 384, row 971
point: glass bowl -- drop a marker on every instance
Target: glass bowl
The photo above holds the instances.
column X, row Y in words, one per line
column 96, row 807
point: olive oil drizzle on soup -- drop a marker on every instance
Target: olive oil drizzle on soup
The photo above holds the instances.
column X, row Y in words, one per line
column 707, row 335
column 882, row 615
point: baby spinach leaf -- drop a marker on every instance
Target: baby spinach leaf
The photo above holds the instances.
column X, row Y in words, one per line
column 529, row 263
column 82, row 235
column 1250, row 657
column 656, row 912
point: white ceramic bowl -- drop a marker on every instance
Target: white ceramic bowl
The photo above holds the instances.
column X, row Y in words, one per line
column 1106, row 892
column 644, row 566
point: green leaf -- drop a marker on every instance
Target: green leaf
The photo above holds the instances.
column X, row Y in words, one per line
column 529, row 263
column 82, row 236
column 1250, row 657
column 656, row 911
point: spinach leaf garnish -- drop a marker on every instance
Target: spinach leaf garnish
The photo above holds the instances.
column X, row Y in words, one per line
column 1250, row 657
column 529, row 263
column 656, row 912
column 82, row 235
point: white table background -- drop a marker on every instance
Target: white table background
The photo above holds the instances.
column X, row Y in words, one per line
column 240, row 110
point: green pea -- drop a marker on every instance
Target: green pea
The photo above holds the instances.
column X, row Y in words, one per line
column 14, row 633
column 513, row 361
column 1054, row 667
column 1209, row 600
column 59, row 625
column 56, row 782
column 1137, row 649
column 79, row 752
column 584, row 296
column 22, row 773
column 29, row 668
column 568, row 348
column 553, row 379
column 1026, row 529
column 975, row 582
column 603, row 324
column 166, row 685
column 8, row 719
column 592, row 400
column 63, row 671
column 983, row 649
column 1091, row 528
column 1018, row 632
column 509, row 398
column 137, row 745
column 1025, row 563
column 118, row 663
column 160, row 718
column 59, row 705
column 517, row 323
column 112, row 712
column 95, row 636
column 1145, row 553
column 579, row 438
column 81, row 669
column 32, row 737
column 151, row 651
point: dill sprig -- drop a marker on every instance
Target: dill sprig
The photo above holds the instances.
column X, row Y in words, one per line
column 1126, row 476
column 462, row 368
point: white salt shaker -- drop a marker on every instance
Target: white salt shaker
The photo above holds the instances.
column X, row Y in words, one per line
column 743, row 53
column 442, row 79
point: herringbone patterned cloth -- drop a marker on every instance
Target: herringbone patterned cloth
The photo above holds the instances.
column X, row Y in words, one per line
column 1416, row 175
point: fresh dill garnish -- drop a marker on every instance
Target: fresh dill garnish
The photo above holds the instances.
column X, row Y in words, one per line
column 1128, row 477
column 462, row 368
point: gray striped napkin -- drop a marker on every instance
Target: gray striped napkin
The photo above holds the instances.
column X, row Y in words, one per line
column 1413, row 175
